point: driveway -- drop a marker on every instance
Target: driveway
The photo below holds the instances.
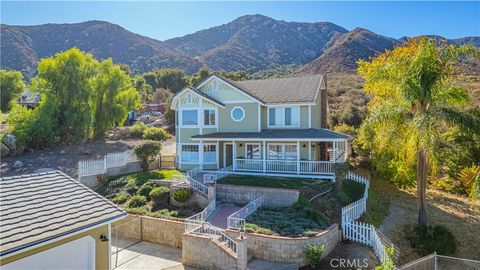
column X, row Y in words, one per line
column 146, row 255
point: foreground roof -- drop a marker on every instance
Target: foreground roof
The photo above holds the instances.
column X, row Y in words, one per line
column 311, row 133
column 283, row 90
column 39, row 207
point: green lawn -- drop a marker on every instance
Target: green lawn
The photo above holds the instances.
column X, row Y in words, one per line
column 156, row 174
column 267, row 181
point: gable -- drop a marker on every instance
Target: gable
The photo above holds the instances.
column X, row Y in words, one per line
column 223, row 91
column 188, row 98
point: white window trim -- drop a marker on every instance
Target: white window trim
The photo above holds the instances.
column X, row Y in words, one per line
column 243, row 112
column 283, row 118
column 189, row 162
column 216, row 153
column 257, row 144
column 200, row 117
column 283, row 150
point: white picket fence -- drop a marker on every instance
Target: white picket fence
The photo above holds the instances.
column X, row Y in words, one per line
column 110, row 160
column 360, row 232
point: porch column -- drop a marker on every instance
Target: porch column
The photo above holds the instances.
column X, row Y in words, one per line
column 346, row 151
column 298, row 157
column 217, row 150
column 309, row 150
column 234, row 144
column 200, row 154
column 334, row 151
column 264, row 154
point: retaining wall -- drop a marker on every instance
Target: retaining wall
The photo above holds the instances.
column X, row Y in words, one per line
column 271, row 197
column 202, row 252
column 150, row 229
column 288, row 249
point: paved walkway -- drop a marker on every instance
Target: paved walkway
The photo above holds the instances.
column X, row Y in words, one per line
column 266, row 265
column 219, row 217
column 149, row 256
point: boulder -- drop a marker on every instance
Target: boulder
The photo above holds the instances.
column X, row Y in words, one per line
column 17, row 164
column 4, row 150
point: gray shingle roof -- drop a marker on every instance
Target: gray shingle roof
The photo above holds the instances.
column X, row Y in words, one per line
column 40, row 207
column 311, row 133
column 282, row 90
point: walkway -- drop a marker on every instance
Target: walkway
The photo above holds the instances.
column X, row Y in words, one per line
column 223, row 211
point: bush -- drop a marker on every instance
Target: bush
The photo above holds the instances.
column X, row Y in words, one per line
column 155, row 134
column 147, row 152
column 427, row 240
column 145, row 189
column 182, row 194
column 314, row 253
column 136, row 131
column 136, row 201
column 160, row 197
column 120, row 198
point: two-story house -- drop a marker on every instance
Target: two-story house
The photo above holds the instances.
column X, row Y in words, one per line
column 266, row 127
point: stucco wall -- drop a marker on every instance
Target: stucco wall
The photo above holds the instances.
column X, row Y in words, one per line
column 271, row 197
column 287, row 249
column 154, row 230
column 102, row 255
column 201, row 251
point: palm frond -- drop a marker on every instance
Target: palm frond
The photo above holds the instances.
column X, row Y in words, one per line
column 463, row 120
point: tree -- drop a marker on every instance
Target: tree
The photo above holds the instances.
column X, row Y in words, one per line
column 113, row 97
column 413, row 102
column 11, row 83
column 147, row 152
column 170, row 78
column 200, row 75
column 68, row 77
column 143, row 88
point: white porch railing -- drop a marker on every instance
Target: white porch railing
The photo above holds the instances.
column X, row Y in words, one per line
column 237, row 219
column 285, row 166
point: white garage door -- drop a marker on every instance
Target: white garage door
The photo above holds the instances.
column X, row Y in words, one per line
column 77, row 254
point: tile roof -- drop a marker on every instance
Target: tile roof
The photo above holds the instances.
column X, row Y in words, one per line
column 311, row 133
column 282, row 90
column 43, row 206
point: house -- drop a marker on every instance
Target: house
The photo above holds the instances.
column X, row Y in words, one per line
column 258, row 127
column 29, row 99
column 51, row 221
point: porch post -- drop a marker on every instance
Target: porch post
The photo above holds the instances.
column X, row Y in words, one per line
column 346, row 151
column 200, row 152
column 309, row 150
column 234, row 144
column 298, row 157
column 334, row 151
column 264, row 154
column 217, row 150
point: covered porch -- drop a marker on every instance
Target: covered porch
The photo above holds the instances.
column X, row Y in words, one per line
column 309, row 153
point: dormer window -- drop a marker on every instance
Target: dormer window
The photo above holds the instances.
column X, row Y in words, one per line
column 284, row 117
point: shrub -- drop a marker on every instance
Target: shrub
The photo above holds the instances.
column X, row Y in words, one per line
column 145, row 189
column 314, row 253
column 120, row 198
column 142, row 210
column 147, row 152
column 136, row 201
column 160, row 197
column 155, row 134
column 182, row 194
column 136, row 131
column 426, row 240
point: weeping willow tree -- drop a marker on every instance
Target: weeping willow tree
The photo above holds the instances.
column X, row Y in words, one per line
column 413, row 103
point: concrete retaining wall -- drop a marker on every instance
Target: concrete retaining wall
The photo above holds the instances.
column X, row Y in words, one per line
column 154, row 230
column 202, row 252
column 271, row 197
column 287, row 249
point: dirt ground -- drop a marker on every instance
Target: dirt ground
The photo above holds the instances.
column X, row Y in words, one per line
column 449, row 210
column 65, row 158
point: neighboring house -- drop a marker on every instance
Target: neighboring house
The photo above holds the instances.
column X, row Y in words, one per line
column 29, row 99
column 50, row 221
column 272, row 126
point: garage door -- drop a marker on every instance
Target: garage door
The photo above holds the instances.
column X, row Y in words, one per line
column 77, row 254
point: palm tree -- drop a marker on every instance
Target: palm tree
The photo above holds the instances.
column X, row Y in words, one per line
column 413, row 103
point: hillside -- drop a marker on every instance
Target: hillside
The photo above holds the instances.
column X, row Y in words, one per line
column 23, row 46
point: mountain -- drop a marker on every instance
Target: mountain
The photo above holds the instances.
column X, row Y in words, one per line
column 256, row 42
column 343, row 54
column 23, row 46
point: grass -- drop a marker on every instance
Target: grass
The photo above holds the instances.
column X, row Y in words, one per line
column 267, row 181
column 144, row 176
column 378, row 204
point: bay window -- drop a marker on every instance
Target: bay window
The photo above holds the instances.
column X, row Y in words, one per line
column 190, row 153
column 284, row 117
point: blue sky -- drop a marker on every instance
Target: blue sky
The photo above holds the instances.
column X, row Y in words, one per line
column 163, row 20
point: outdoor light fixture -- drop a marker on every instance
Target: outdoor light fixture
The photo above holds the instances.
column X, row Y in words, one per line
column 304, row 145
column 103, row 237
column 241, row 145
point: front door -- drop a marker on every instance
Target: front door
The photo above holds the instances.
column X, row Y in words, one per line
column 228, row 154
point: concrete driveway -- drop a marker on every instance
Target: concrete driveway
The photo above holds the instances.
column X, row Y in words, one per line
column 146, row 255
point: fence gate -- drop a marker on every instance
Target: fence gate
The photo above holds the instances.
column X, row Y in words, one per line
column 124, row 236
column 166, row 162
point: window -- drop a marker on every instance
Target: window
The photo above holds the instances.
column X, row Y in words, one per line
column 189, row 117
column 237, row 114
column 190, row 153
column 252, row 151
column 284, row 117
column 209, row 117
column 189, row 98
column 282, row 151
column 209, row 153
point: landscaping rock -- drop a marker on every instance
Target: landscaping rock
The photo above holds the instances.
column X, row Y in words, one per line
column 62, row 152
column 17, row 164
column 4, row 150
